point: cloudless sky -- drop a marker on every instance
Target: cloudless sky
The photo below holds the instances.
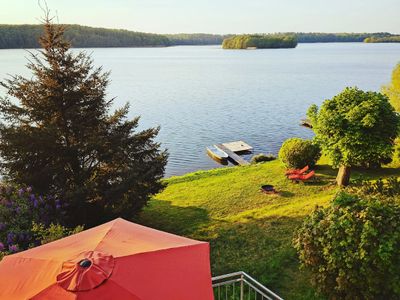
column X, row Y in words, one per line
column 215, row 16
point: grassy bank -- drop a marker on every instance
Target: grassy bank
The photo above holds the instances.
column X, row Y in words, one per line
column 248, row 230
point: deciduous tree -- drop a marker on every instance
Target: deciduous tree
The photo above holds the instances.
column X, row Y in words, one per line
column 355, row 128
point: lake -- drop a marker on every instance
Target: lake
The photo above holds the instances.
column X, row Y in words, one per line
column 202, row 95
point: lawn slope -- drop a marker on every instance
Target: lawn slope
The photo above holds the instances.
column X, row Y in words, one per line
column 247, row 230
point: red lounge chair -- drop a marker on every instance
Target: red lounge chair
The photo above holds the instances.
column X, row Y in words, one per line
column 297, row 171
column 302, row 177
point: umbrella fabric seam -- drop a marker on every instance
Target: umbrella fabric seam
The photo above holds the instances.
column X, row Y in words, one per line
column 159, row 250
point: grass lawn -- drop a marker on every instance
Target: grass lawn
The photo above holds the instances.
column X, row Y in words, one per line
column 248, row 230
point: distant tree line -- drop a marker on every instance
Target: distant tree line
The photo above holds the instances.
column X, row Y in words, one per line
column 196, row 39
column 319, row 37
column 260, row 41
column 26, row 36
column 386, row 39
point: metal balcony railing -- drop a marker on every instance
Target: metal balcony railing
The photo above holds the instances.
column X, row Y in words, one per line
column 240, row 286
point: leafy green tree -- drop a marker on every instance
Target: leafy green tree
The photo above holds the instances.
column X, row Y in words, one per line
column 392, row 90
column 59, row 136
column 352, row 248
column 355, row 128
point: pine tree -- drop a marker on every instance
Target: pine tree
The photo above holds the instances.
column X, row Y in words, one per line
column 58, row 135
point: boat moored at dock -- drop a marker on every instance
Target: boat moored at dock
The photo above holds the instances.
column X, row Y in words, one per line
column 217, row 153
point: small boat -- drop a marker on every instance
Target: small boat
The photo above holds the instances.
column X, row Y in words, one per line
column 216, row 153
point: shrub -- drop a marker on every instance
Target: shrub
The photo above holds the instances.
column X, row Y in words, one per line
column 28, row 220
column 52, row 232
column 389, row 187
column 298, row 153
column 396, row 153
column 262, row 158
column 352, row 248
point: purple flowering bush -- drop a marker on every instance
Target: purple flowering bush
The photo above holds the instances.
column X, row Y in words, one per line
column 26, row 218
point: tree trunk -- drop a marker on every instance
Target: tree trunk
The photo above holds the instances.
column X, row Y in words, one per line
column 343, row 176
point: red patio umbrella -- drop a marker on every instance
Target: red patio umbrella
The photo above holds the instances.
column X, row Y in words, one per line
column 117, row 260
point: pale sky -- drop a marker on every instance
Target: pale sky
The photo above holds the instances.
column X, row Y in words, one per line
column 215, row 16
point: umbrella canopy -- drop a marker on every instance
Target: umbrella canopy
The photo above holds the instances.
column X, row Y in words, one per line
column 116, row 260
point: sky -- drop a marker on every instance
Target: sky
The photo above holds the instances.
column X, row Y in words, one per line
column 215, row 16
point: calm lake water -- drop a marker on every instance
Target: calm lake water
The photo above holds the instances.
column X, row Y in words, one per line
column 201, row 95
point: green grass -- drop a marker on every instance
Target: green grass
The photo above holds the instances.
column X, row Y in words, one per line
column 247, row 230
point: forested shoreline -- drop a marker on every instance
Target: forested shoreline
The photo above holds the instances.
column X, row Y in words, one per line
column 386, row 39
column 320, row 37
column 196, row 38
column 26, row 36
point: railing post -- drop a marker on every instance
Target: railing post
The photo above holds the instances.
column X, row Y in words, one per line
column 241, row 287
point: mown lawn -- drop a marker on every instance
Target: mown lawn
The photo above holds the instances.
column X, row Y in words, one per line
column 247, row 230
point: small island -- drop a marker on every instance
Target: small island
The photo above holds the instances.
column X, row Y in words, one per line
column 258, row 41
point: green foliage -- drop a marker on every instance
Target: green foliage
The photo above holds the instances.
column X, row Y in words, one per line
column 262, row 158
column 260, row 41
column 396, row 154
column 196, row 39
column 356, row 128
column 386, row 39
column 58, row 135
column 27, row 36
column 298, row 153
column 322, row 37
column 52, row 232
column 392, row 90
column 352, row 248
column 388, row 188
column 22, row 212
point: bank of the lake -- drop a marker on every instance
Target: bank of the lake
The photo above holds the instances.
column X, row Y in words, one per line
column 248, row 230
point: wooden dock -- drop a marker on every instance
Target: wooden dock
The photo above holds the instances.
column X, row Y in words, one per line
column 238, row 146
column 232, row 155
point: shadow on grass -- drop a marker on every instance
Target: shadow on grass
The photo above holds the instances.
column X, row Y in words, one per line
column 286, row 194
column 317, row 181
column 260, row 247
column 326, row 171
column 328, row 174
column 263, row 249
column 376, row 173
column 160, row 214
